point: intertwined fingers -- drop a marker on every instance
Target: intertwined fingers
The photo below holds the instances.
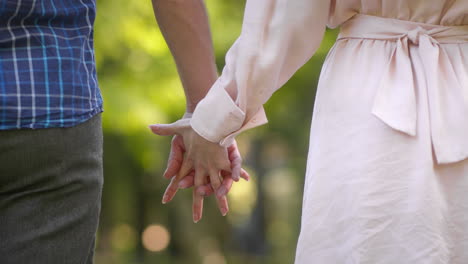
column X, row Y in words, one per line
column 197, row 204
column 215, row 179
column 225, row 186
column 236, row 161
column 207, row 190
column 194, row 161
column 176, row 157
column 171, row 190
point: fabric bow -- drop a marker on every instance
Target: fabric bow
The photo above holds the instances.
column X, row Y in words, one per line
column 395, row 102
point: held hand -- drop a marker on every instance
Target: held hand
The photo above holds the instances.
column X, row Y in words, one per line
column 206, row 190
column 207, row 158
column 198, row 155
column 175, row 163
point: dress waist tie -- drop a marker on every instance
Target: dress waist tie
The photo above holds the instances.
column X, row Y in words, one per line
column 395, row 100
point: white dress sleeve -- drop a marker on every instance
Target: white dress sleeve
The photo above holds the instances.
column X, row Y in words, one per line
column 277, row 38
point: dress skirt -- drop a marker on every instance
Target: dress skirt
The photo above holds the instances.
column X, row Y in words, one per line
column 373, row 194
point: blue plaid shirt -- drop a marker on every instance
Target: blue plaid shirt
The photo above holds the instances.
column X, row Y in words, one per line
column 47, row 66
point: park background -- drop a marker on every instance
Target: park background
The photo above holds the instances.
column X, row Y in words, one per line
column 139, row 82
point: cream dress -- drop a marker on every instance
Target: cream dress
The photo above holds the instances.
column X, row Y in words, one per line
column 387, row 170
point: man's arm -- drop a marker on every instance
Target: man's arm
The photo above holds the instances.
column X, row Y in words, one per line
column 185, row 26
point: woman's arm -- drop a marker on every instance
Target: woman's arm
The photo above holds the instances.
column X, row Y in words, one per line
column 278, row 37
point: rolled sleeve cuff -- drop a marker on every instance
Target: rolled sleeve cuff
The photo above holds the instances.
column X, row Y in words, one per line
column 217, row 116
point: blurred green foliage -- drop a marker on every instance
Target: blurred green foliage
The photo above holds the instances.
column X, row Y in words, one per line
column 140, row 86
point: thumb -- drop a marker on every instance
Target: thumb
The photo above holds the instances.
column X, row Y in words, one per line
column 169, row 129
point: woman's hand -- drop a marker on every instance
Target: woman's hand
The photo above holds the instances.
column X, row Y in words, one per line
column 202, row 158
column 206, row 190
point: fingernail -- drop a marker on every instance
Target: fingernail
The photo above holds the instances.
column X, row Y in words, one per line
column 224, row 211
column 196, row 218
column 221, row 191
column 165, row 199
column 202, row 193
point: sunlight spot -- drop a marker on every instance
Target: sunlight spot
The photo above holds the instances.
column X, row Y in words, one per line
column 279, row 234
column 244, row 197
column 214, row 258
column 281, row 184
column 207, row 245
column 123, row 237
column 155, row 238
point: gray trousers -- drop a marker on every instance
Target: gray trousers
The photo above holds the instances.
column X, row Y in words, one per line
column 50, row 194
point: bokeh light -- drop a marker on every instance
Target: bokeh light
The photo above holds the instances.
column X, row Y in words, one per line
column 124, row 238
column 214, row 258
column 279, row 233
column 282, row 184
column 207, row 245
column 243, row 197
column 156, row 238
